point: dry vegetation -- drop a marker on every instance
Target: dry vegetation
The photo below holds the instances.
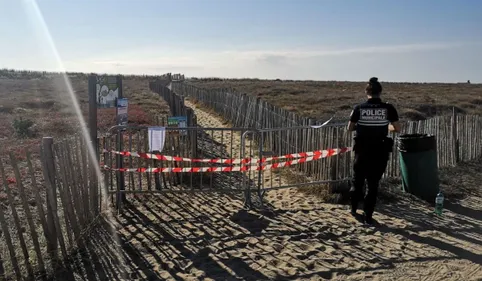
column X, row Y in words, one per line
column 43, row 98
column 415, row 101
column 35, row 105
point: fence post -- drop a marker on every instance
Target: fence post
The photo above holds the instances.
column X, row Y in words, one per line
column 455, row 141
column 47, row 158
column 260, row 165
column 121, row 196
column 192, row 133
column 257, row 122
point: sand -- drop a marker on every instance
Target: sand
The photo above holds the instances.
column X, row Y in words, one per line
column 210, row 237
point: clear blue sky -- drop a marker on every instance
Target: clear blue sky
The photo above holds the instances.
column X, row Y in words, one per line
column 409, row 40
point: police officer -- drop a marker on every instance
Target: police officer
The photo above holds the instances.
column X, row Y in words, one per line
column 371, row 120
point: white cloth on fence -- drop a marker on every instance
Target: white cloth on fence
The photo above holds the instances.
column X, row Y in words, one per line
column 157, row 138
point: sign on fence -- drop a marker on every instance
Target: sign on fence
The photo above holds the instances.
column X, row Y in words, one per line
column 103, row 93
column 107, row 91
column 178, row 122
column 122, row 116
column 157, row 138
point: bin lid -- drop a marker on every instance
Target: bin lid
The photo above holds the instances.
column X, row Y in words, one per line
column 415, row 136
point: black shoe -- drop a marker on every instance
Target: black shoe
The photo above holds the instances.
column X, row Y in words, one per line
column 353, row 212
column 368, row 219
column 353, row 207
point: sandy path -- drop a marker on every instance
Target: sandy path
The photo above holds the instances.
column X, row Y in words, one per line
column 277, row 198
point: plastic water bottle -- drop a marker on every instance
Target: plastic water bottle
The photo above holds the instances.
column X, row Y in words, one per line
column 439, row 203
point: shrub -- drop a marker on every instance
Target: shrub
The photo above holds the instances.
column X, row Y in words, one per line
column 23, row 127
column 137, row 115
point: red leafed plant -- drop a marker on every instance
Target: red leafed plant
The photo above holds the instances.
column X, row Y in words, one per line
column 138, row 116
column 106, row 118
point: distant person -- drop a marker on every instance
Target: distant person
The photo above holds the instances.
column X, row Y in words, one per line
column 372, row 120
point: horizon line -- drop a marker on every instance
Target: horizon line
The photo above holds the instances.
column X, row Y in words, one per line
column 222, row 78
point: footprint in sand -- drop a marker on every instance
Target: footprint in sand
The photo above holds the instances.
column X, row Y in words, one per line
column 277, row 247
column 235, row 253
column 299, row 237
column 253, row 241
column 301, row 256
column 352, row 242
column 268, row 249
column 290, row 271
column 273, row 262
column 165, row 275
column 223, row 255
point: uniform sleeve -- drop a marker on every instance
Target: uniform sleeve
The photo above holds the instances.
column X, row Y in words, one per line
column 355, row 114
column 392, row 114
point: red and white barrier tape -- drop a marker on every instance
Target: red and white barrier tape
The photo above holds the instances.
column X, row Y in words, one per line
column 332, row 152
column 322, row 153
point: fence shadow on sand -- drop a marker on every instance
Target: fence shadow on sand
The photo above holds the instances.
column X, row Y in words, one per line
column 172, row 237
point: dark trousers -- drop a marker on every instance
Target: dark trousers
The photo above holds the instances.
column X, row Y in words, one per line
column 369, row 165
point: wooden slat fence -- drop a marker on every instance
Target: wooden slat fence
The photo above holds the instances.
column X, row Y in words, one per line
column 459, row 137
column 48, row 204
column 177, row 106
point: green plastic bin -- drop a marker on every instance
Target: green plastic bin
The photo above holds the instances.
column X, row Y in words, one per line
column 418, row 165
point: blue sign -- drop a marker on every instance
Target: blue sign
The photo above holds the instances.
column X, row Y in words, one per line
column 178, row 121
column 122, row 117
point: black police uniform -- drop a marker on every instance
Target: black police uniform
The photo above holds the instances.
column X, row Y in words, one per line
column 372, row 148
